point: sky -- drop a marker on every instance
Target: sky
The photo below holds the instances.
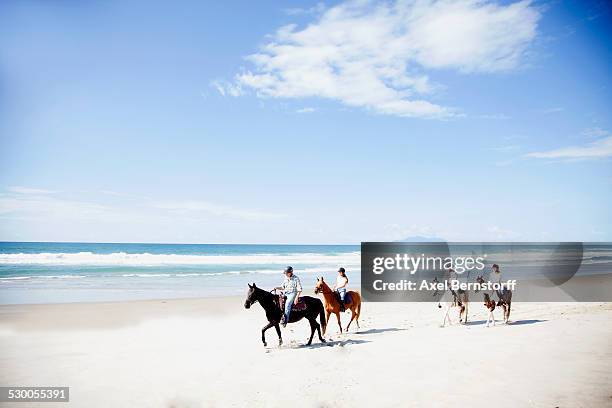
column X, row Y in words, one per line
column 335, row 122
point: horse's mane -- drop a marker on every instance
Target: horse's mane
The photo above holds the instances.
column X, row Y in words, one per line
column 264, row 292
column 325, row 286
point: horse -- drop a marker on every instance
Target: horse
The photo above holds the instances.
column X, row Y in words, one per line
column 490, row 305
column 505, row 299
column 332, row 305
column 460, row 299
column 269, row 301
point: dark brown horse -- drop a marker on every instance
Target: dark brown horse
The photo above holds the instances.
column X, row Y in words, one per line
column 505, row 300
column 313, row 307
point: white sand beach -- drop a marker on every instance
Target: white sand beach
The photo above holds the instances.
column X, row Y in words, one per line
column 208, row 352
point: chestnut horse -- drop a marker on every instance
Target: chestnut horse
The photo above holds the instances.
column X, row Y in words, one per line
column 332, row 305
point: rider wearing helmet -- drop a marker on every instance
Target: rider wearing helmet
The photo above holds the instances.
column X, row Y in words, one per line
column 292, row 288
column 340, row 287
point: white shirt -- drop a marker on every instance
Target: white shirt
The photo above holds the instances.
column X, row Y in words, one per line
column 341, row 281
column 495, row 277
column 291, row 285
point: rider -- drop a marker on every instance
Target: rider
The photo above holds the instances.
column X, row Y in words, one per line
column 292, row 288
column 340, row 286
column 496, row 277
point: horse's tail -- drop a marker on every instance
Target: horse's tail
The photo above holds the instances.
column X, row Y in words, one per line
column 322, row 316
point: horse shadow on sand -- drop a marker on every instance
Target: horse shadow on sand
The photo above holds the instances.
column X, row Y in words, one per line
column 377, row 331
column 335, row 343
column 511, row 323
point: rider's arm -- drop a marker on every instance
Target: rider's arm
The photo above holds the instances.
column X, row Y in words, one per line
column 299, row 290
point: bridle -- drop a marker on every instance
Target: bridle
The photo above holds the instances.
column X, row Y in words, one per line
column 251, row 302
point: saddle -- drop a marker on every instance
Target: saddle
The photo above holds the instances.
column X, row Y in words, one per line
column 301, row 305
column 347, row 298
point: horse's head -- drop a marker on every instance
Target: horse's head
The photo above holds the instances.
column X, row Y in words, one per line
column 319, row 286
column 487, row 299
column 251, row 296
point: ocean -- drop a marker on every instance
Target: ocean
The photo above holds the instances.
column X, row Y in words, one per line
column 47, row 272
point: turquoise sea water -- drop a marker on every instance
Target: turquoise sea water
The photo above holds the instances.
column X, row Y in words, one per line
column 77, row 272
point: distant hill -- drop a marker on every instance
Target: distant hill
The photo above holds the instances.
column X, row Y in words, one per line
column 418, row 238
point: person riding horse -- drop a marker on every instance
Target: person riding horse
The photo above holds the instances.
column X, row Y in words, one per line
column 340, row 287
column 292, row 288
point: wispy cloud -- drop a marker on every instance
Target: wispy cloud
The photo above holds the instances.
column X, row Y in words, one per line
column 374, row 55
column 226, row 88
column 496, row 116
column 194, row 207
column 595, row 132
column 598, row 149
column 317, row 8
column 305, row 110
column 29, row 190
column 39, row 204
column 35, row 206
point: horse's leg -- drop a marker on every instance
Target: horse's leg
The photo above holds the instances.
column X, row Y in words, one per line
column 278, row 331
column 327, row 313
column 319, row 332
column 447, row 315
column 263, row 332
column 339, row 324
column 504, row 306
column 358, row 309
column 312, row 331
column 508, row 318
column 352, row 317
column 444, row 321
column 466, row 313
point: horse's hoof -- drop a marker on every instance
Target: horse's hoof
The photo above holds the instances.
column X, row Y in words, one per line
column 323, row 341
column 265, row 344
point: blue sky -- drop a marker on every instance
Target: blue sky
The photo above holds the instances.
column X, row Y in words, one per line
column 321, row 123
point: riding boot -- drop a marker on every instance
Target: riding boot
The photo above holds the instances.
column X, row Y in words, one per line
column 342, row 306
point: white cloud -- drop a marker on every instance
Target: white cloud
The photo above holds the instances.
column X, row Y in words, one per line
column 317, row 8
column 373, row 55
column 227, row 88
column 194, row 207
column 599, row 149
column 36, row 206
column 547, row 111
column 32, row 204
column 595, row 132
column 305, row 110
column 29, row 190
